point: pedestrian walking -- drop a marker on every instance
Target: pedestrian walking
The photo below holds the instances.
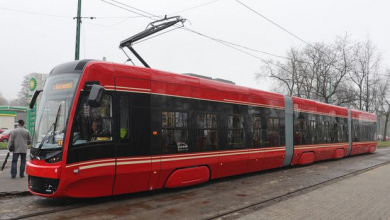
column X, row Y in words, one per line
column 18, row 141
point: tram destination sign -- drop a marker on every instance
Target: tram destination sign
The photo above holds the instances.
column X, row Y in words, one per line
column 62, row 86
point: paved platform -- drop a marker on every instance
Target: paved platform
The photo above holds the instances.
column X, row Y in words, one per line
column 12, row 186
column 365, row 196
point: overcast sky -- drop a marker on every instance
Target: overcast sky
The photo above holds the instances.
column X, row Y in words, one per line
column 38, row 35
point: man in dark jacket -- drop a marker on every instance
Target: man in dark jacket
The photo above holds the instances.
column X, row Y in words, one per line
column 19, row 139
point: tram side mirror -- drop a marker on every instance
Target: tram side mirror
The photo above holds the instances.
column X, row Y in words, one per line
column 96, row 96
column 34, row 98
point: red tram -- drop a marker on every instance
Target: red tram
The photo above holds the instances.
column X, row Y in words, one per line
column 106, row 129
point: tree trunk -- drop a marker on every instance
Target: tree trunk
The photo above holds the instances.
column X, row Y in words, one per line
column 387, row 120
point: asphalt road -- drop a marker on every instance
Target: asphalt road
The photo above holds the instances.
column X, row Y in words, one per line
column 207, row 201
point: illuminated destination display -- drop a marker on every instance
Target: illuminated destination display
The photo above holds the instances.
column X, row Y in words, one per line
column 62, row 86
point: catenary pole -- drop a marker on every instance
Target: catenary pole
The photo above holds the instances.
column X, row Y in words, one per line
column 330, row 90
column 77, row 51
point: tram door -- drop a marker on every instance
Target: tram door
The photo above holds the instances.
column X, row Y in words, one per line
column 133, row 147
column 90, row 169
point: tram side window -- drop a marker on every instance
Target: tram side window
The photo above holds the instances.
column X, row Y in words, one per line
column 259, row 132
column 310, row 128
column 343, row 130
column 340, row 131
column 300, row 129
column 312, row 139
column 367, row 131
column 355, row 130
column 327, row 130
column 319, row 132
column 236, row 135
column 282, row 133
column 174, row 132
column 273, row 132
column 373, row 131
column 333, row 130
column 361, row 131
column 267, row 132
column 124, row 119
column 93, row 124
column 206, row 132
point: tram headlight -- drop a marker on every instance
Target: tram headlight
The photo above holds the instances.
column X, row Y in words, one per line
column 54, row 159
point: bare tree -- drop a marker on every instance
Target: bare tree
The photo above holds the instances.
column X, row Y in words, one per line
column 23, row 92
column 343, row 92
column 343, row 73
column 286, row 74
column 365, row 67
column 345, row 95
column 382, row 98
column 318, row 70
column 314, row 72
column 14, row 102
column 3, row 101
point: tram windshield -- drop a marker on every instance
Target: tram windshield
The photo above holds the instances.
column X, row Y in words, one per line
column 53, row 111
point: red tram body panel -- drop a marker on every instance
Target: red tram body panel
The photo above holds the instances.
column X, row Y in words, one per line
column 170, row 130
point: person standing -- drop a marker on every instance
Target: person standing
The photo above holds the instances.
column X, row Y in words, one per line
column 19, row 139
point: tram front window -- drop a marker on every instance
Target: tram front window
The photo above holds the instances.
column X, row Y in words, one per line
column 53, row 111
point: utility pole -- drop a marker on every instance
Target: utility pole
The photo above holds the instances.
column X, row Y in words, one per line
column 77, row 52
column 330, row 90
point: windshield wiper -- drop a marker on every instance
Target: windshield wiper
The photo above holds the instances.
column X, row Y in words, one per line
column 43, row 140
column 50, row 132
column 55, row 123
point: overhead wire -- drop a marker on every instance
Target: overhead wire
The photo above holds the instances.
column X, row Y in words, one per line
column 156, row 35
column 284, row 29
column 128, row 9
column 35, row 13
column 66, row 17
column 226, row 43
column 230, row 43
column 112, row 25
column 135, row 9
column 207, row 3
column 139, row 16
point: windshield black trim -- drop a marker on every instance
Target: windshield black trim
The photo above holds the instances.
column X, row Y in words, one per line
column 70, row 67
column 91, row 151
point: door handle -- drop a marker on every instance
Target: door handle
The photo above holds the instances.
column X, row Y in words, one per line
column 76, row 171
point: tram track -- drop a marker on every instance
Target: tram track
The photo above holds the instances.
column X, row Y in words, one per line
column 46, row 212
column 231, row 214
column 234, row 214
